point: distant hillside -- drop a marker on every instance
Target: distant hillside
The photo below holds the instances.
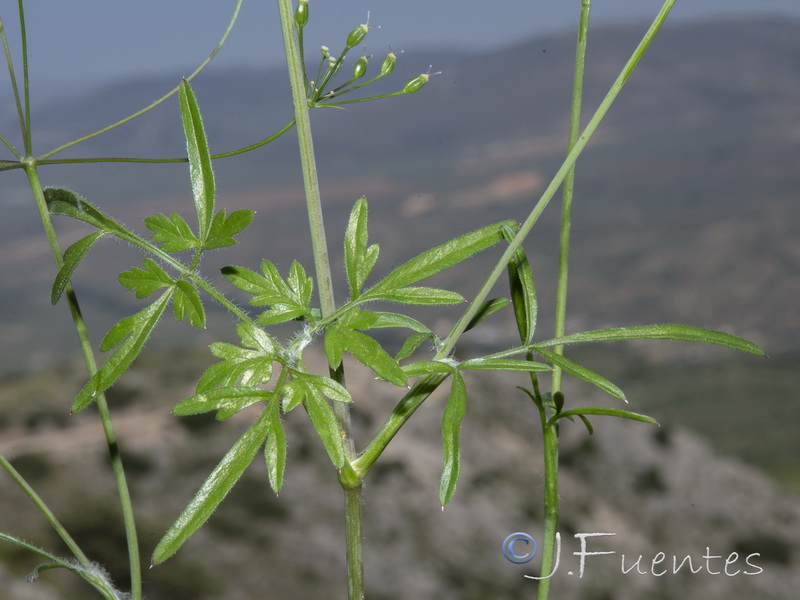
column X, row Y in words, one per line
column 686, row 205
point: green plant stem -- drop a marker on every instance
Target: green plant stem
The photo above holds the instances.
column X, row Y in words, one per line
column 557, row 180
column 160, row 100
column 425, row 386
column 550, row 441
column 45, row 510
column 102, row 405
column 307, row 160
column 569, row 186
column 85, row 572
column 550, row 430
column 15, row 90
column 353, row 490
column 26, row 96
column 8, row 165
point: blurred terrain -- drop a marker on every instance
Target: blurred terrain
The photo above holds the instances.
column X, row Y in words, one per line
column 686, row 211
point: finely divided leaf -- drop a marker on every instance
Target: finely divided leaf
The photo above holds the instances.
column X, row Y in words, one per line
column 324, row 421
column 355, row 247
column 200, row 171
column 214, row 490
column 245, row 366
column 134, row 330
column 451, row 438
column 370, row 353
column 657, row 332
column 230, row 399
column 286, row 301
column 413, row 342
column 188, row 305
column 172, row 232
column 223, row 229
column 440, row 258
column 257, row 339
column 581, row 372
column 72, row 258
column 326, row 386
column 145, row 281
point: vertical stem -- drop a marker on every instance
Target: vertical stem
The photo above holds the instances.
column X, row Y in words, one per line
column 351, row 483
column 307, row 160
column 569, row 184
column 26, row 134
column 102, row 406
column 550, row 432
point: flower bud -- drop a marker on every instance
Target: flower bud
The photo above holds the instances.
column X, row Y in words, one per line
column 415, row 83
column 301, row 14
column 388, row 63
column 558, row 401
column 360, row 68
column 355, row 37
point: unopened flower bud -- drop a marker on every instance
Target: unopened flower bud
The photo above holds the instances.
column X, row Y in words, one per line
column 360, row 68
column 301, row 14
column 355, row 37
column 415, row 83
column 388, row 63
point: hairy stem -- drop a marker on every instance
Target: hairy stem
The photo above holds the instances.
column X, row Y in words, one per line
column 353, row 490
column 102, row 405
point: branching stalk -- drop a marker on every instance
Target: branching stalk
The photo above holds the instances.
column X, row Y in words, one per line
column 353, row 490
column 160, row 100
column 102, row 405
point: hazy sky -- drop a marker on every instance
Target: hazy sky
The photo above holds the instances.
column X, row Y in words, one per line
column 90, row 42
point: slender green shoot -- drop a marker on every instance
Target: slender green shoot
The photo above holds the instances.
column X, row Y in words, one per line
column 15, row 89
column 352, row 489
column 569, row 185
column 45, row 510
column 163, row 98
